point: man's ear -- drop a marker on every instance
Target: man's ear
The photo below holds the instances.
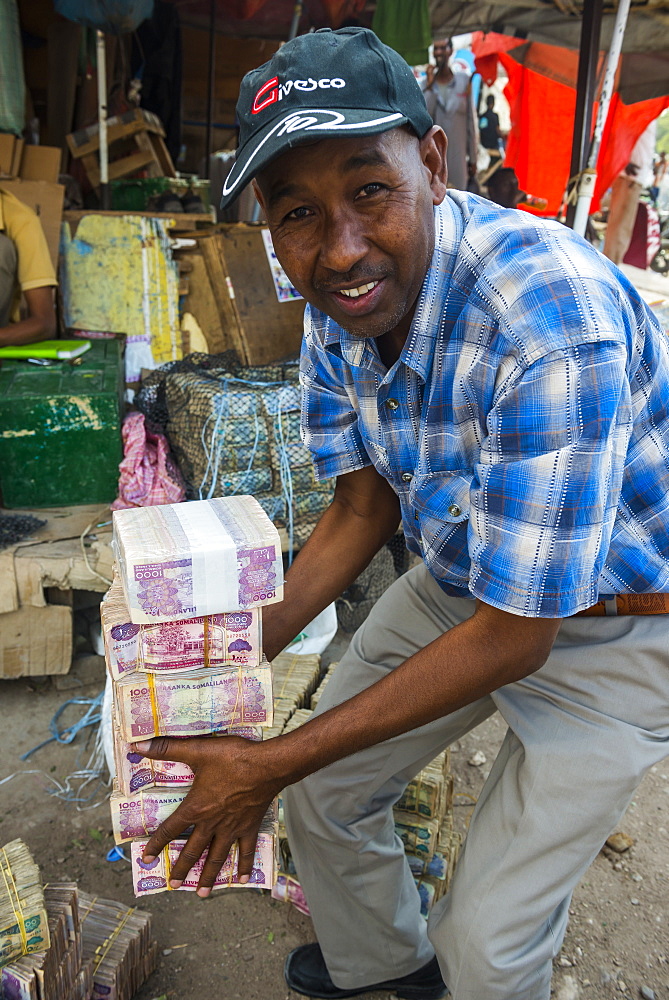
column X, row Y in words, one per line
column 257, row 192
column 433, row 154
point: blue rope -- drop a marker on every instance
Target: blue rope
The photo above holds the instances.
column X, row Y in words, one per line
column 91, row 717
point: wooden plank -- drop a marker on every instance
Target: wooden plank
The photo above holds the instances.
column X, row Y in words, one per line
column 269, row 329
column 210, row 245
column 201, row 302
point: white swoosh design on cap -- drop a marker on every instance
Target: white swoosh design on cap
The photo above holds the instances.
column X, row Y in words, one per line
column 336, row 123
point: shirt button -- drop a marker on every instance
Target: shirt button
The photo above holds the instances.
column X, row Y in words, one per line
column 454, row 510
column 406, row 477
column 392, row 404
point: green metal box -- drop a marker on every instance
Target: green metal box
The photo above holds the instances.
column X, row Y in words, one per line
column 60, row 429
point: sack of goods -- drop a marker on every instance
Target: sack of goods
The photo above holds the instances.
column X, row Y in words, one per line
column 182, row 627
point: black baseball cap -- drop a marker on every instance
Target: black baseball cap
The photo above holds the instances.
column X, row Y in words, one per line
column 321, row 85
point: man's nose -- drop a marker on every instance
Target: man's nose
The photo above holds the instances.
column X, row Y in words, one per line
column 344, row 243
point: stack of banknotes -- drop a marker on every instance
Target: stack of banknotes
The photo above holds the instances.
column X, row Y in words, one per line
column 98, row 949
column 182, row 627
column 24, row 925
column 117, row 945
column 295, row 680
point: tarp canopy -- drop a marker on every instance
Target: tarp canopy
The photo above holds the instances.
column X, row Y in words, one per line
column 555, row 22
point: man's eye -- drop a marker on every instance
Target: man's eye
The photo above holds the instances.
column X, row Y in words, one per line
column 370, row 189
column 298, row 213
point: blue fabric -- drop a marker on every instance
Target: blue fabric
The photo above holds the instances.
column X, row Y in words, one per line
column 116, row 17
column 532, row 427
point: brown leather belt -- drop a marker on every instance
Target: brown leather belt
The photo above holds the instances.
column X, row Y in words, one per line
column 629, row 604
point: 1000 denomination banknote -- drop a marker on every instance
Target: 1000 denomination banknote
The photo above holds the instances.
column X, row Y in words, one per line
column 134, row 771
column 229, row 639
column 193, row 704
column 200, row 558
column 152, row 878
column 141, row 814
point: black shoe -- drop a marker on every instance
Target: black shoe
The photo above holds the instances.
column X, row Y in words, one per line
column 306, row 972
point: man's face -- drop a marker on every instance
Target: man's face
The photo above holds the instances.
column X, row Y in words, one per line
column 352, row 223
column 443, row 51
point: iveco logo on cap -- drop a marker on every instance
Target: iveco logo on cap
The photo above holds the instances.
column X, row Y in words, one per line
column 273, row 91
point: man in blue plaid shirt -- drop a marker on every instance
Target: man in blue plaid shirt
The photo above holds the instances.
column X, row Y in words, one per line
column 494, row 384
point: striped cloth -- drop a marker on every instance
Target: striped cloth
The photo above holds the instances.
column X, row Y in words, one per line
column 524, row 427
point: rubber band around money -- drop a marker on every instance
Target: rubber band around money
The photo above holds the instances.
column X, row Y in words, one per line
column 13, row 893
column 168, row 867
column 289, row 672
column 153, row 700
column 112, row 937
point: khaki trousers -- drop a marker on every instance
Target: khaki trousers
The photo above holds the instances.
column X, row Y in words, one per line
column 582, row 731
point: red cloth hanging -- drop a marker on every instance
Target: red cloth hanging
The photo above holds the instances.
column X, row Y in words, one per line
column 542, row 115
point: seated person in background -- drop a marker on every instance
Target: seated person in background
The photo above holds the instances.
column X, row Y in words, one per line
column 503, row 188
column 25, row 267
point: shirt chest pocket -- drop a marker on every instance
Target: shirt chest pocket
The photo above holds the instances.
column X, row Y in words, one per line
column 441, row 503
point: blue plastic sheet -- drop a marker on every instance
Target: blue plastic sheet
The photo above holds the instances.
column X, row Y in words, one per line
column 115, row 17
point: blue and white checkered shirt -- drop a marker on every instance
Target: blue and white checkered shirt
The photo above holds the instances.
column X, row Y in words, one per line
column 525, row 427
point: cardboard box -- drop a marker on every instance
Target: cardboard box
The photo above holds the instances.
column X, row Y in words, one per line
column 40, row 163
column 47, row 201
column 36, row 641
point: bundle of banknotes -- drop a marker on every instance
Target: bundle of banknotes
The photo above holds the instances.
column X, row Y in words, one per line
column 182, row 625
column 98, row 949
column 118, row 945
column 229, row 639
column 188, row 560
column 24, row 926
column 154, row 877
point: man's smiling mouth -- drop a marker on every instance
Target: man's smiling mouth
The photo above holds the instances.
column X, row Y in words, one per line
column 354, row 293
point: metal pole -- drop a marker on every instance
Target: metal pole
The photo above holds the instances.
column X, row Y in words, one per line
column 295, row 23
column 585, row 90
column 212, row 82
column 587, row 186
column 105, row 199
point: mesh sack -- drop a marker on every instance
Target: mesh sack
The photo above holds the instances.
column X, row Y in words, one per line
column 236, row 429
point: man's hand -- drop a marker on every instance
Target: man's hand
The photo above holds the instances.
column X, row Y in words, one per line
column 230, row 795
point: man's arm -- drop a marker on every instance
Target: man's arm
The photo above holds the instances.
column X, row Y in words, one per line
column 40, row 324
column 235, row 780
column 362, row 517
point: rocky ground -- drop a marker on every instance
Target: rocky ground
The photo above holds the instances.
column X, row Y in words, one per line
column 233, row 944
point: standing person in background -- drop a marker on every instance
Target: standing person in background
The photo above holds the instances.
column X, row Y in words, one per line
column 25, row 268
column 625, row 192
column 491, row 137
column 449, row 101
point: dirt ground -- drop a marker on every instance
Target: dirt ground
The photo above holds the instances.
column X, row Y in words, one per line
column 233, row 944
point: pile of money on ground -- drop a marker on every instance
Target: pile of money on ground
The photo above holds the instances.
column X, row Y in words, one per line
column 423, row 816
column 183, row 645
column 58, row 943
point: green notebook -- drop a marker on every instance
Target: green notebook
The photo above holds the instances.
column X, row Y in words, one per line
column 61, row 350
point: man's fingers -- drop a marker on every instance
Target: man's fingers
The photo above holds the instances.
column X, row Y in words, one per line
column 219, row 849
column 173, row 827
column 247, row 852
column 190, row 854
column 164, row 748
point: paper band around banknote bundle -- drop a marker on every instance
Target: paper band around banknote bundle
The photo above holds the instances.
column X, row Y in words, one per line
column 193, row 559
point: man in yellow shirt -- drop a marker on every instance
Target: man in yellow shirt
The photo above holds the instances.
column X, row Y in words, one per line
column 25, row 268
